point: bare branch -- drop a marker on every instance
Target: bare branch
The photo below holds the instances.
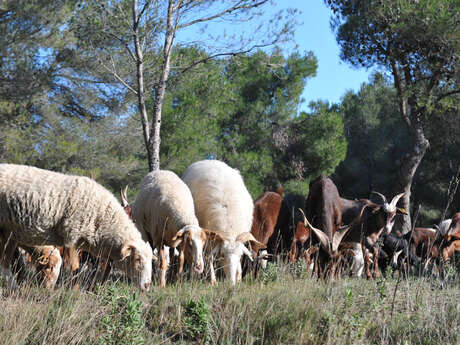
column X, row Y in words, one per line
column 447, row 94
column 222, row 13
column 123, row 42
column 211, row 57
column 451, row 191
column 146, row 5
column 115, row 74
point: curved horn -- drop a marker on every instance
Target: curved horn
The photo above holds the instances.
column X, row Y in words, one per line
column 305, row 221
column 395, row 257
column 395, row 200
column 324, row 240
column 384, row 199
column 338, row 236
column 124, row 199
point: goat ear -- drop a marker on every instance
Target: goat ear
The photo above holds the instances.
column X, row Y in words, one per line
column 248, row 237
column 178, row 238
column 127, row 250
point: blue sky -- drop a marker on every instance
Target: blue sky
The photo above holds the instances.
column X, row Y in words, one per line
column 333, row 77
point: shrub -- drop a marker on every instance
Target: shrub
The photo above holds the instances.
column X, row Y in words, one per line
column 123, row 324
column 197, row 317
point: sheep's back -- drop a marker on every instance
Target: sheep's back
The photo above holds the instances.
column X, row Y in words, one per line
column 163, row 206
column 222, row 202
column 41, row 206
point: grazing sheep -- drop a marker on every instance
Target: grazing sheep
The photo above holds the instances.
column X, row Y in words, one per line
column 165, row 215
column 224, row 206
column 40, row 207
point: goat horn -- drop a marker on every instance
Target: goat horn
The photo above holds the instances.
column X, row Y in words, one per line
column 384, row 199
column 395, row 200
column 324, row 240
column 338, row 236
column 124, row 199
column 305, row 221
column 396, row 256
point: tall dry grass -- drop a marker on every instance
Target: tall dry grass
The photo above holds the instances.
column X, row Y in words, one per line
column 282, row 306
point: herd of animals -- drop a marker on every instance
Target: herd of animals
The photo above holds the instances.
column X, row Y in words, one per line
column 205, row 218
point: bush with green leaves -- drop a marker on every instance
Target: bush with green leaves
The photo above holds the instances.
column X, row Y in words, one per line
column 123, row 323
column 270, row 273
column 197, row 319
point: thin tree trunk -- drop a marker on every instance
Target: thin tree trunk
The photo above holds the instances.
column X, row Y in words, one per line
column 154, row 142
column 140, row 85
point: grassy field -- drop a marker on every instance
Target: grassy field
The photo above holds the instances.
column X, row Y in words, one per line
column 280, row 307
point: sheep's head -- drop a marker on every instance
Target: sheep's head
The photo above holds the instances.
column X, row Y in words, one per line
column 231, row 252
column 192, row 238
column 140, row 256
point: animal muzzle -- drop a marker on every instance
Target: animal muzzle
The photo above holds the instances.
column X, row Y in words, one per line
column 146, row 286
column 198, row 267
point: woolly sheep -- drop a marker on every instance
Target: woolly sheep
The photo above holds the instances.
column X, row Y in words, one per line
column 224, row 206
column 40, row 207
column 165, row 214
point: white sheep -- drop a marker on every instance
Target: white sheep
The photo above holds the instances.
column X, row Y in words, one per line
column 224, row 206
column 164, row 213
column 40, row 207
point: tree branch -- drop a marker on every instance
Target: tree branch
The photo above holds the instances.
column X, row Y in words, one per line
column 398, row 86
column 122, row 41
column 211, row 57
column 220, row 14
column 447, row 94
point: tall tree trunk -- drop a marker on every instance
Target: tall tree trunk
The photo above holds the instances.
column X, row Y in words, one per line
column 410, row 161
column 409, row 165
column 140, row 84
column 160, row 88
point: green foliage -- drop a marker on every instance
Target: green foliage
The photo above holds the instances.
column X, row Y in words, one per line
column 297, row 187
column 197, row 319
column 375, row 140
column 270, row 273
column 299, row 269
column 227, row 109
column 348, row 295
column 313, row 144
column 123, row 323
